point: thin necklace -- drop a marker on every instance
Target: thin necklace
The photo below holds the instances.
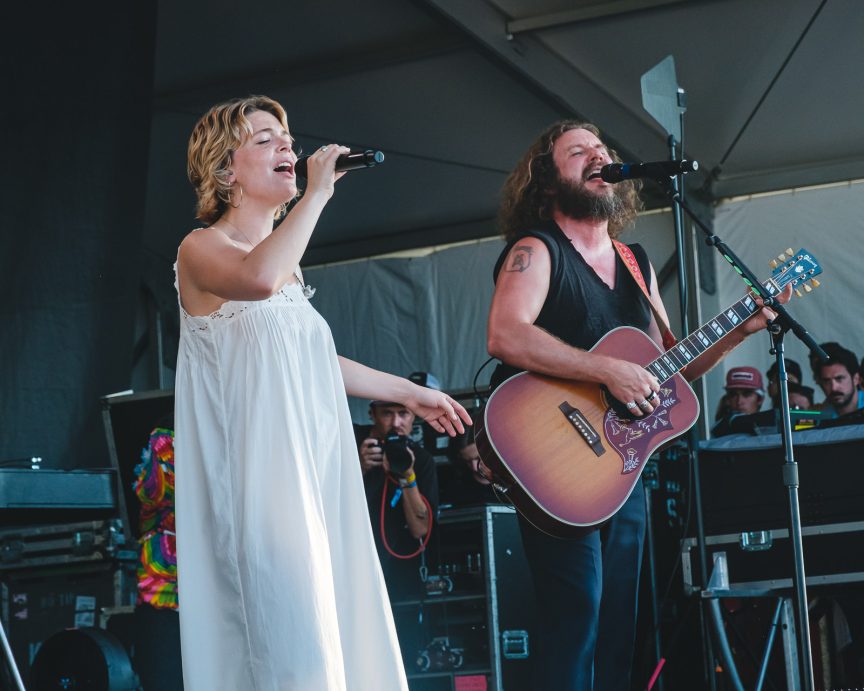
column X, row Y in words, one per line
column 245, row 237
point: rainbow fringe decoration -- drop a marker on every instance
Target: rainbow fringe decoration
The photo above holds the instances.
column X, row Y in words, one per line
column 154, row 486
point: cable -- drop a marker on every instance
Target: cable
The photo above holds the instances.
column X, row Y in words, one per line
column 423, row 543
column 477, row 395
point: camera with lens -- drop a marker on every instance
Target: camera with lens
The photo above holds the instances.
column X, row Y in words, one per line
column 395, row 447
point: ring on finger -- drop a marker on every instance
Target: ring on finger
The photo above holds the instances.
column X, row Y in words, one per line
column 323, row 148
column 644, row 404
column 651, row 396
column 631, row 405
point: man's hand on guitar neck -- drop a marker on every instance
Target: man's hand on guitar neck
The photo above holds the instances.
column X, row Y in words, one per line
column 631, row 384
column 733, row 339
column 759, row 321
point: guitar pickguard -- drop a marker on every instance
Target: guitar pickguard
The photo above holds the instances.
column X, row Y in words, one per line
column 632, row 439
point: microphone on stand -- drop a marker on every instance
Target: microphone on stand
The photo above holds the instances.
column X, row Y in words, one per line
column 658, row 170
column 352, row 161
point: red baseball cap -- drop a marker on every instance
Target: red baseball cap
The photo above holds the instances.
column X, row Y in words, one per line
column 745, row 378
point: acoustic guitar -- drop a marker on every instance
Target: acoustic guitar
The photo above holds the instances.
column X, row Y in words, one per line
column 567, row 454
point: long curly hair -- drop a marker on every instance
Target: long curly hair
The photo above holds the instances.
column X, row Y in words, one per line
column 527, row 198
column 215, row 138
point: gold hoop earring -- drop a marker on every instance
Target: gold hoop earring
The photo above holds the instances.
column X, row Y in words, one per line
column 231, row 197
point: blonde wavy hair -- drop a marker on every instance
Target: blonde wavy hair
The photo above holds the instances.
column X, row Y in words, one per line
column 526, row 199
column 215, row 138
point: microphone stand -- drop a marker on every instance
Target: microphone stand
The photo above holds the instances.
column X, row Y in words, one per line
column 777, row 328
column 10, row 660
column 675, row 187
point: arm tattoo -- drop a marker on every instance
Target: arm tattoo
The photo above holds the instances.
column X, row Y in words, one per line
column 521, row 258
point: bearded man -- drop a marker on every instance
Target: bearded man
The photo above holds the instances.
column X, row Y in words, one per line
column 560, row 285
column 840, row 381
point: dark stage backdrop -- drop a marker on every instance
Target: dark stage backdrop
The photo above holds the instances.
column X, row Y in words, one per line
column 76, row 92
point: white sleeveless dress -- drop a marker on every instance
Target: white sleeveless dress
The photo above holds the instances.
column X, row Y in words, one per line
column 279, row 583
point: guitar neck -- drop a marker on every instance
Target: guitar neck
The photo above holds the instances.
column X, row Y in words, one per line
column 688, row 349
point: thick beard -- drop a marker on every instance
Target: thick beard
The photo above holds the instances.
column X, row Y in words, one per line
column 574, row 200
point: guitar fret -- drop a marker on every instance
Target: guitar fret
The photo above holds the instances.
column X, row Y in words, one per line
column 692, row 347
column 688, row 349
column 742, row 312
column 704, row 336
column 717, row 328
column 723, row 323
column 670, row 363
column 682, row 349
column 749, row 304
column 732, row 316
column 657, row 370
column 696, row 345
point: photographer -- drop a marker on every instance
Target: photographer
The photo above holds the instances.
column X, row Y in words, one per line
column 401, row 493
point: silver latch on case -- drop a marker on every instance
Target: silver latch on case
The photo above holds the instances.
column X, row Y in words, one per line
column 514, row 644
column 756, row 541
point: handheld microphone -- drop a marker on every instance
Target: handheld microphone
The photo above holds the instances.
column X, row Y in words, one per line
column 658, row 170
column 352, row 161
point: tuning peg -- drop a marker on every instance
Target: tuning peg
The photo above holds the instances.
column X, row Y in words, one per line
column 781, row 257
column 815, row 283
column 798, row 293
column 789, row 251
column 773, row 263
column 807, row 288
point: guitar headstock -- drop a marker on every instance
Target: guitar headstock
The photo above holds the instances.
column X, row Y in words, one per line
column 798, row 268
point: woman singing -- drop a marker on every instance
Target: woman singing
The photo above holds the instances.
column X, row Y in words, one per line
column 280, row 586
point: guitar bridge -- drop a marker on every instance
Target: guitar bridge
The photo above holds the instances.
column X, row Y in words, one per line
column 586, row 430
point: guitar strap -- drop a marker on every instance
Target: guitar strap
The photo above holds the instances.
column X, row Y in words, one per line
column 632, row 265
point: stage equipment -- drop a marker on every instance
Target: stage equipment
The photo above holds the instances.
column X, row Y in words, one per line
column 744, row 495
column 761, row 558
column 666, row 102
column 128, row 419
column 783, row 323
column 474, row 620
column 40, row 488
column 63, row 553
column 40, row 601
column 84, row 659
column 59, row 544
column 439, row 656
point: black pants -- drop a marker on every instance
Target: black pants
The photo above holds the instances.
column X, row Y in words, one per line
column 157, row 649
column 587, row 590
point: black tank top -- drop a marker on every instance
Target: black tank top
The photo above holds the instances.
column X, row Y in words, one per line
column 580, row 308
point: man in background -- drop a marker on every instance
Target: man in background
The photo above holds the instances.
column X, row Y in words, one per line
column 745, row 391
column 793, row 373
column 840, row 382
column 744, row 396
column 401, row 494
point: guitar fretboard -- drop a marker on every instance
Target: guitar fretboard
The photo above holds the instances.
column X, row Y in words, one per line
column 688, row 349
